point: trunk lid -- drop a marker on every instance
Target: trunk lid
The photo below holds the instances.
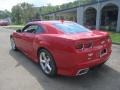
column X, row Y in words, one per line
column 86, row 38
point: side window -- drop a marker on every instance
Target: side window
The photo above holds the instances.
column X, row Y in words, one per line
column 30, row 29
column 39, row 29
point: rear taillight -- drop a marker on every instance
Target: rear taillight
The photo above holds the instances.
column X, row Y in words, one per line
column 83, row 46
column 88, row 45
column 79, row 46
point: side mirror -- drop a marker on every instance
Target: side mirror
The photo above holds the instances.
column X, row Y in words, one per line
column 19, row 30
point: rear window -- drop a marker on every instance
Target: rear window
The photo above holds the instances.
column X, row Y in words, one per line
column 70, row 27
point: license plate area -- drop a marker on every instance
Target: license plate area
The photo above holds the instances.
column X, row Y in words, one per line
column 103, row 52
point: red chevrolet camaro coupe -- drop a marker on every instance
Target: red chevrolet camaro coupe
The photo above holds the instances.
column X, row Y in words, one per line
column 62, row 47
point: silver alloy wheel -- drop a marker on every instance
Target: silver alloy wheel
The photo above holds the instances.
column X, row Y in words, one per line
column 45, row 62
column 13, row 44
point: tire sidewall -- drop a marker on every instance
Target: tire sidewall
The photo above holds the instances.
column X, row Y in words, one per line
column 52, row 63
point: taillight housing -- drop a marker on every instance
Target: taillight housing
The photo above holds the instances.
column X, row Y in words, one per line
column 79, row 46
column 88, row 45
column 82, row 46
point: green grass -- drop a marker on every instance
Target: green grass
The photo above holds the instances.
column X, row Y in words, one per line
column 13, row 27
column 115, row 37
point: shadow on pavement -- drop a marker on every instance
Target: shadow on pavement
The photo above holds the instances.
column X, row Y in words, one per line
column 104, row 78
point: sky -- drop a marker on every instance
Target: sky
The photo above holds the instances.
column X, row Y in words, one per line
column 8, row 4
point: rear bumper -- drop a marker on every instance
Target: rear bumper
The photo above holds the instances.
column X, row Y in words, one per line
column 72, row 71
column 92, row 63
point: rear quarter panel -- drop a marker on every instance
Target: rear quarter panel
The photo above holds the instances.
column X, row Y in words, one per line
column 57, row 46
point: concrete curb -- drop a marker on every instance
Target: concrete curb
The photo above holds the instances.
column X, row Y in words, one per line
column 116, row 43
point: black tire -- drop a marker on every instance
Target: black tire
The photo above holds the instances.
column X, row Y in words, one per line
column 13, row 45
column 50, row 60
column 100, row 65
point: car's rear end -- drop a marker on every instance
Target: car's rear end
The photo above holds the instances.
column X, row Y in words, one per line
column 91, row 52
column 80, row 49
column 78, row 56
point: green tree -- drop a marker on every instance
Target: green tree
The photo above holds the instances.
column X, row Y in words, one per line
column 4, row 14
column 16, row 15
column 23, row 12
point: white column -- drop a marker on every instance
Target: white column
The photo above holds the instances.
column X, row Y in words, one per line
column 98, row 16
column 118, row 21
column 80, row 15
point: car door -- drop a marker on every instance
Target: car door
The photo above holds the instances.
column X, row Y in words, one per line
column 18, row 39
column 29, row 37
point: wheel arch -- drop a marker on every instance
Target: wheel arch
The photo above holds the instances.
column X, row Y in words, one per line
column 40, row 48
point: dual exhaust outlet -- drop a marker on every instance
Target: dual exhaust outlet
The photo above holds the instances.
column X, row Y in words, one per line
column 82, row 71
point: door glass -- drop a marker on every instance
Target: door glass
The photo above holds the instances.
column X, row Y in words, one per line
column 30, row 29
column 39, row 29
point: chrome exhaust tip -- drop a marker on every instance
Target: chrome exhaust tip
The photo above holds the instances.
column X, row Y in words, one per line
column 82, row 71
